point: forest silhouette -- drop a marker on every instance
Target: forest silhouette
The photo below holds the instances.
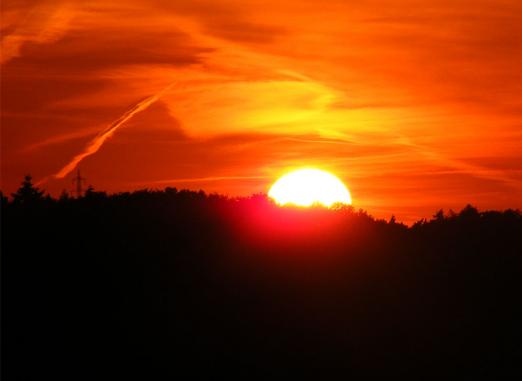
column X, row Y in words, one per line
column 174, row 282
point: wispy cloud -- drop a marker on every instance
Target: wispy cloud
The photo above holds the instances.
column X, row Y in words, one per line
column 202, row 179
column 44, row 23
column 461, row 165
column 57, row 140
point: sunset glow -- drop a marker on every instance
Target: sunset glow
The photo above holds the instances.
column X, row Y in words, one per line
column 307, row 187
column 417, row 103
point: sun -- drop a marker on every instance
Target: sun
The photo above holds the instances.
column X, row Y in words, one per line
column 307, row 187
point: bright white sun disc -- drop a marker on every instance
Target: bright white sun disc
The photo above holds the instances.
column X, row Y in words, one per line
column 306, row 187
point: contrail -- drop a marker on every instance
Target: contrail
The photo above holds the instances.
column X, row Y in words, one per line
column 95, row 144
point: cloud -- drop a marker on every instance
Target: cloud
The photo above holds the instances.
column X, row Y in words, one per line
column 33, row 22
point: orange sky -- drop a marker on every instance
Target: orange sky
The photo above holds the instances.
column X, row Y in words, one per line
column 416, row 105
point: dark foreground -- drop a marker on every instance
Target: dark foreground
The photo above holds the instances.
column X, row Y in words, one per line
column 180, row 283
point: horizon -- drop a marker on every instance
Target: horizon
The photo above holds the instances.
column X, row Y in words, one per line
column 446, row 213
column 414, row 106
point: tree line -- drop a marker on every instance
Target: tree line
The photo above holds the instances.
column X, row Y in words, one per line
column 166, row 283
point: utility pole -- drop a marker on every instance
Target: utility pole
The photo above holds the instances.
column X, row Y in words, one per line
column 78, row 180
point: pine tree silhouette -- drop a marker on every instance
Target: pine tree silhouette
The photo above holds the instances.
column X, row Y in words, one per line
column 27, row 193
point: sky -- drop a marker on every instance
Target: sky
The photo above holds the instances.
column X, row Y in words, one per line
column 415, row 105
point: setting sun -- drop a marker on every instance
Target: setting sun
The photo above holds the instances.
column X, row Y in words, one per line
column 306, row 187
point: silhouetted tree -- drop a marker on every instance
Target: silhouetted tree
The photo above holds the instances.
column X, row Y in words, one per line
column 469, row 212
column 64, row 196
column 91, row 194
column 439, row 216
column 27, row 193
column 452, row 214
column 3, row 199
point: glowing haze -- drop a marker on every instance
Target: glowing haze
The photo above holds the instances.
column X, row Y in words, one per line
column 416, row 104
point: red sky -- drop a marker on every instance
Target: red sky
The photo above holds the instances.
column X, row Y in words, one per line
column 415, row 105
